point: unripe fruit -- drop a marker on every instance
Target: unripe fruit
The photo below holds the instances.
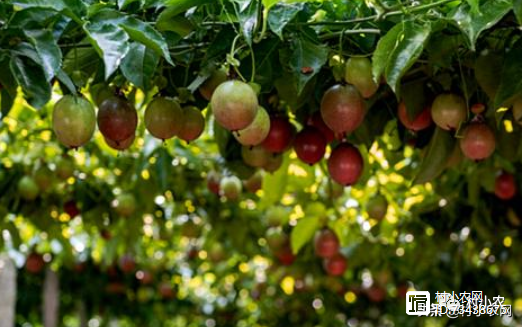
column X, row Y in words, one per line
column 255, row 156
column 230, row 187
column 280, row 135
column 448, row 111
column 163, row 118
column 345, row 164
column 64, row 168
column 342, row 108
column 34, row 263
column 216, row 253
column 43, row 178
column 478, row 141
column 336, row 265
column 74, row 121
column 122, row 145
column 217, row 77
column 234, row 105
column 190, row 229
column 193, row 124
column 326, row 244
column 358, row 71
column 276, row 239
column 27, row 188
column 422, row 121
column 310, row 145
column 125, row 204
column 254, row 182
column 276, row 216
column 505, row 186
column 257, row 131
column 117, row 119
column 377, row 207
column 273, row 163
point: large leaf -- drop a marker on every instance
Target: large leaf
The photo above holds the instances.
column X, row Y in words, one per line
column 303, row 232
column 274, row 185
column 382, row 52
column 473, row 22
column 306, row 59
column 517, row 9
column 280, row 15
column 247, row 15
column 72, row 8
column 139, row 64
column 439, row 150
column 47, row 49
column 66, row 81
column 111, row 43
column 176, row 7
column 31, row 78
column 409, row 46
column 147, row 35
column 510, row 83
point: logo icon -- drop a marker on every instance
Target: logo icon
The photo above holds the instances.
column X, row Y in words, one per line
column 418, row 303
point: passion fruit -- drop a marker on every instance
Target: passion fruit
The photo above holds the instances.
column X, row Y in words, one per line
column 234, row 104
column 117, row 119
column 342, row 108
column 449, row 111
column 358, row 71
column 193, row 124
column 163, row 118
column 74, row 121
column 420, row 122
column 257, row 131
column 478, row 141
column 345, row 164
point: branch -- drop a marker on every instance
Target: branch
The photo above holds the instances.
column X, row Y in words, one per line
column 355, row 31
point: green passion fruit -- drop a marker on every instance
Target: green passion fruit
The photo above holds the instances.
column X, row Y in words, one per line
column 234, row 104
column 163, row 118
column 257, row 131
column 74, row 121
column 193, row 124
column 358, row 71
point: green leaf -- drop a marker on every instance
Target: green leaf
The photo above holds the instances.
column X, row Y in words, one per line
column 31, row 78
column 179, row 25
column 274, row 185
column 47, row 49
column 281, row 15
column 124, row 3
column 175, row 7
column 72, row 8
column 269, row 3
column 303, row 232
column 306, row 60
column 382, row 52
column 66, row 80
column 517, row 9
column 111, row 43
column 247, row 16
column 473, row 22
column 147, row 35
column 411, row 40
column 139, row 64
column 438, row 152
column 510, row 83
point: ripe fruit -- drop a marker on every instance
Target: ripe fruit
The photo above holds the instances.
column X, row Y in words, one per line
column 163, row 118
column 448, row 111
column 217, row 77
column 71, row 208
column 234, row 104
column 117, row 119
column 230, row 187
column 377, row 207
column 213, row 180
column 285, row 255
column 342, row 108
column 166, row 291
column 34, row 263
column 376, row 293
column 74, row 121
column 336, row 265
column 256, row 132
column 422, row 121
column 144, row 276
column 358, row 71
column 478, row 108
column 279, row 136
column 64, row 168
column 273, row 163
column 193, row 124
column 27, row 188
column 326, row 244
column 127, row 263
column 310, row 145
column 254, row 182
column 122, row 145
column 505, row 186
column 125, row 204
column 255, row 156
column 316, row 120
column 276, row 239
column 478, row 141
column 345, row 164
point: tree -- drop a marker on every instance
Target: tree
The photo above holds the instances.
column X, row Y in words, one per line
column 413, row 106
